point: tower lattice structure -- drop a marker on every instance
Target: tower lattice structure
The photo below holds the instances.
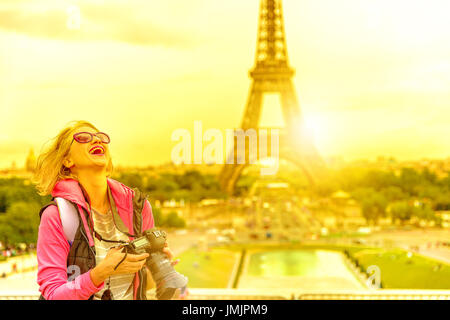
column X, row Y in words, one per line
column 273, row 74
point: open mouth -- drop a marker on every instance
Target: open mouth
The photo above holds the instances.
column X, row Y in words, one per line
column 97, row 150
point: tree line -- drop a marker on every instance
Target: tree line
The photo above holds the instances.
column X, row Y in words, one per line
column 401, row 195
column 20, row 203
column 192, row 185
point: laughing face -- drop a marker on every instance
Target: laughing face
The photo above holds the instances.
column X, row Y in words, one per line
column 87, row 155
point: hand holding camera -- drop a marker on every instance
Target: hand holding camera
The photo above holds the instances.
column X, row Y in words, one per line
column 150, row 249
column 117, row 261
column 167, row 280
column 123, row 262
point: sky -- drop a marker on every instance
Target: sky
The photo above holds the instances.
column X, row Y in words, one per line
column 372, row 77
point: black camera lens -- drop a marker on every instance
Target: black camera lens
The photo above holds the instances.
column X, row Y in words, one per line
column 166, row 278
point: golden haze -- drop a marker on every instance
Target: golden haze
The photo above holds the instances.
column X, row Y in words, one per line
column 372, row 76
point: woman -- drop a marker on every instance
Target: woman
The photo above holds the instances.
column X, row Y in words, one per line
column 91, row 265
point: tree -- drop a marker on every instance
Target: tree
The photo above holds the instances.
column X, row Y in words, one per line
column 158, row 217
column 442, row 202
column 424, row 212
column 373, row 204
column 6, row 231
column 175, row 221
column 190, row 180
column 429, row 176
column 325, row 188
column 409, row 180
column 393, row 193
column 244, row 184
column 379, row 179
column 11, row 190
column 428, row 191
column 401, row 211
column 361, row 193
column 132, row 180
column 20, row 223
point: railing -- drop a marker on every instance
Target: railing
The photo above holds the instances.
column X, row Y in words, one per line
column 281, row 294
column 380, row 294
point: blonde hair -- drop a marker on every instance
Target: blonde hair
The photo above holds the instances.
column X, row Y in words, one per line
column 50, row 168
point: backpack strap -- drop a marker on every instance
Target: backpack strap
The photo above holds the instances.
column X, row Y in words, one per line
column 69, row 218
column 138, row 207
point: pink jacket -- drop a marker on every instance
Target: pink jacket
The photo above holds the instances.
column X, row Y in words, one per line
column 53, row 248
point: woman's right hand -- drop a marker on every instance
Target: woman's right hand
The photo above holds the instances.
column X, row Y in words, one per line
column 132, row 264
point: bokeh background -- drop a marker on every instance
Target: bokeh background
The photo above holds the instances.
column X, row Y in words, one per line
column 372, row 78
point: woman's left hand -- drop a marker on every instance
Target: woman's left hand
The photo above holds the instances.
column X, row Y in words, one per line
column 170, row 254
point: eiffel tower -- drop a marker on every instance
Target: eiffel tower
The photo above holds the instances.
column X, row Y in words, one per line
column 272, row 74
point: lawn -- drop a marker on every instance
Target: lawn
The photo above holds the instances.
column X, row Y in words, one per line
column 398, row 271
column 211, row 269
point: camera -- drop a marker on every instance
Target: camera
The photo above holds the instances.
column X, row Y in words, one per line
column 166, row 278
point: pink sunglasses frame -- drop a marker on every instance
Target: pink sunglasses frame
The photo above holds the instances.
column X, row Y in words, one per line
column 92, row 137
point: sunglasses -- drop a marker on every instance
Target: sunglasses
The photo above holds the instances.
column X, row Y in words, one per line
column 85, row 137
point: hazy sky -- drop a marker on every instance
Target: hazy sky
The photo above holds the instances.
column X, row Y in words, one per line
column 372, row 78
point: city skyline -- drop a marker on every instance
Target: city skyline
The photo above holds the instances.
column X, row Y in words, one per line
column 372, row 78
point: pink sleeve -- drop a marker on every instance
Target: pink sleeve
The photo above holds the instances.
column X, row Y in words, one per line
column 147, row 217
column 52, row 251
